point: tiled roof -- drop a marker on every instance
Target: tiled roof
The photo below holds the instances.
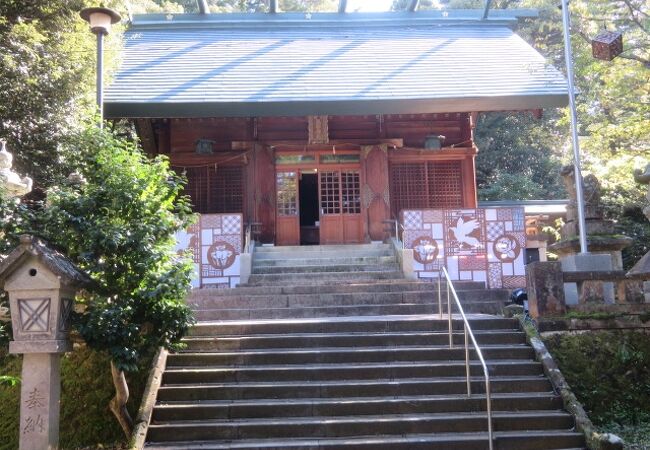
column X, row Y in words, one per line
column 248, row 68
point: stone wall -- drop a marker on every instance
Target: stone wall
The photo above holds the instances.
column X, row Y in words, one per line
column 484, row 244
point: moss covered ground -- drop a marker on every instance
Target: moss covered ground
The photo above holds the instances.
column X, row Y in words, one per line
column 609, row 372
column 86, row 421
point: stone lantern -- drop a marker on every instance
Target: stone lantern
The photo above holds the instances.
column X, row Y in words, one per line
column 607, row 45
column 42, row 284
column 10, row 182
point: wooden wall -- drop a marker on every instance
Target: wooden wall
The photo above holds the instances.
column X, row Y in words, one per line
column 249, row 142
column 178, row 136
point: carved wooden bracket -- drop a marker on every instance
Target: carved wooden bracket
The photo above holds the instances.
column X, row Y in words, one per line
column 318, row 129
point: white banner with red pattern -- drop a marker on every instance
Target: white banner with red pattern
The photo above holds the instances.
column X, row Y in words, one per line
column 215, row 245
column 485, row 244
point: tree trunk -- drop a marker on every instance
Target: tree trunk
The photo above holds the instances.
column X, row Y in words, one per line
column 118, row 403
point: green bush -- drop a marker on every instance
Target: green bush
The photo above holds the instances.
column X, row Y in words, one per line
column 86, row 389
column 609, row 372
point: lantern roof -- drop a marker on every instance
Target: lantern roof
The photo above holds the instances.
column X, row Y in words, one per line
column 243, row 65
column 641, row 269
column 59, row 264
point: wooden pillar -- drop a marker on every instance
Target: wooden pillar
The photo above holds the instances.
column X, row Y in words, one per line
column 468, row 167
column 264, row 191
column 375, row 191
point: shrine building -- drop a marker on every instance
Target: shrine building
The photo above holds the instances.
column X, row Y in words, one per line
column 321, row 128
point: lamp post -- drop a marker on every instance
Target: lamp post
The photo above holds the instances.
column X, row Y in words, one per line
column 100, row 20
column 574, row 128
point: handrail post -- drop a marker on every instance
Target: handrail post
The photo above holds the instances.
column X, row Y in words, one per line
column 488, row 397
column 440, row 294
column 467, row 371
column 451, row 334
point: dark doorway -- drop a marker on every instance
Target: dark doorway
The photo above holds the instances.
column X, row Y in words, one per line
column 308, row 197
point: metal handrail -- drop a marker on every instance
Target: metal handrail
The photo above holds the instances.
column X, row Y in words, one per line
column 467, row 332
column 398, row 227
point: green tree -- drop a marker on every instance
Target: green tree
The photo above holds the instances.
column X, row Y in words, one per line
column 518, row 157
column 117, row 223
column 46, row 73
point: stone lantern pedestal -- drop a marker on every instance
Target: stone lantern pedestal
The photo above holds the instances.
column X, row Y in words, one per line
column 603, row 244
column 42, row 285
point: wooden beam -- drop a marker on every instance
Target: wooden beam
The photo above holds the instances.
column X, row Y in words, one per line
column 394, row 142
column 413, row 5
column 343, row 5
column 273, row 6
column 204, row 8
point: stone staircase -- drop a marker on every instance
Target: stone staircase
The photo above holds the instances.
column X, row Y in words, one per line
column 331, row 348
column 332, row 281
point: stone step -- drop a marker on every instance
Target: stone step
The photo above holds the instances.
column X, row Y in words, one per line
column 395, row 285
column 505, row 440
column 315, row 278
column 325, row 268
column 309, row 340
column 352, row 406
column 325, row 261
column 345, row 248
column 327, row 355
column 344, row 371
column 387, row 424
column 339, row 299
column 349, row 388
column 373, row 324
column 405, row 309
column 334, row 254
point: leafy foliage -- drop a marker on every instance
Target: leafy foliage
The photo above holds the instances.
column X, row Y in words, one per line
column 518, row 158
column 608, row 371
column 118, row 226
column 46, row 72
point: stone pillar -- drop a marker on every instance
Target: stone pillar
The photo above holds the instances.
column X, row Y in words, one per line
column 40, row 395
column 545, row 289
column 41, row 284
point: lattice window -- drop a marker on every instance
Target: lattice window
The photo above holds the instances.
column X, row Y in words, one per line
column 445, row 184
column 351, row 192
column 215, row 190
column 408, row 187
column 330, row 193
column 426, row 185
column 287, row 193
column 227, row 190
column 197, row 187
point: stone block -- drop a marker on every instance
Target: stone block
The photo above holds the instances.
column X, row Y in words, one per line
column 407, row 264
column 545, row 294
column 512, row 310
column 246, row 267
column 595, row 227
column 588, row 291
